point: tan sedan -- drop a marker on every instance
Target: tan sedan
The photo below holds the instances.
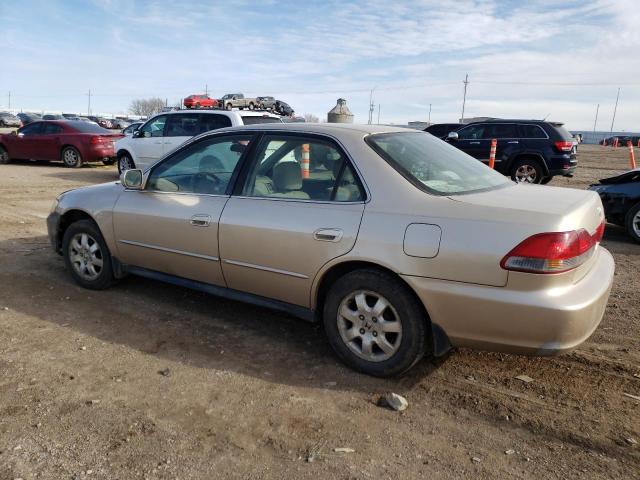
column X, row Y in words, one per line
column 400, row 244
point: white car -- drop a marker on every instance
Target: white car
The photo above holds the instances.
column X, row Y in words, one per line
column 165, row 132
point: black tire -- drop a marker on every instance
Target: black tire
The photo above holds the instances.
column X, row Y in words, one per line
column 411, row 345
column 228, row 106
column 124, row 159
column 71, row 157
column 527, row 165
column 545, row 180
column 197, row 106
column 4, row 156
column 251, row 106
column 104, row 278
column 633, row 218
column 111, row 161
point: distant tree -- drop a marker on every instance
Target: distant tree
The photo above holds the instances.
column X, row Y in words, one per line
column 146, row 106
column 311, row 118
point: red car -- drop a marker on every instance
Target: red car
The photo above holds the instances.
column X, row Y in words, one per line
column 200, row 101
column 71, row 141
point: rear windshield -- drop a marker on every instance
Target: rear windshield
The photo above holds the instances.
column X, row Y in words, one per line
column 86, row 127
column 564, row 133
column 433, row 165
column 258, row 120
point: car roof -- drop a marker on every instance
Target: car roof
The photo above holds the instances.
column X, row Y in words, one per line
column 321, row 128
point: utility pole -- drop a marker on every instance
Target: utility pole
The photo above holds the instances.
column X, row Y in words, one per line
column 89, row 103
column 595, row 121
column 378, row 114
column 371, row 106
column 206, row 89
column 429, row 121
column 464, row 98
column 9, row 108
column 615, row 109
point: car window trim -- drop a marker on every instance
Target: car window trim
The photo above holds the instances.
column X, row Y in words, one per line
column 237, row 191
column 234, row 174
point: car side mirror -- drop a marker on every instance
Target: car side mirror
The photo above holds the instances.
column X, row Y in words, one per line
column 453, row 136
column 132, row 179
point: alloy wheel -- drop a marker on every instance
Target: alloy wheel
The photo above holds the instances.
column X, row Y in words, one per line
column 70, row 157
column 635, row 223
column 86, row 256
column 526, row 174
column 125, row 163
column 369, row 325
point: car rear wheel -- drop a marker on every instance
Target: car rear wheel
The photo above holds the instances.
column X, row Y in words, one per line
column 374, row 323
column 527, row 171
column 197, row 105
column 125, row 162
column 4, row 156
column 86, row 255
column 71, row 157
column 251, row 106
column 632, row 222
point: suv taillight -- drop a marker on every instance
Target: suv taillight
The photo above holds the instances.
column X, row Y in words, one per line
column 564, row 146
column 555, row 252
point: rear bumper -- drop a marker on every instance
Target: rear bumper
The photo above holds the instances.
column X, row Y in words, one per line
column 542, row 322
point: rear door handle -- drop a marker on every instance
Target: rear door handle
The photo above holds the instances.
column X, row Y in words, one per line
column 328, row 235
column 200, row 220
column 474, row 143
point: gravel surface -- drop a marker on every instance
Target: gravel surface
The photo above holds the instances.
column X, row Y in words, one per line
column 148, row 380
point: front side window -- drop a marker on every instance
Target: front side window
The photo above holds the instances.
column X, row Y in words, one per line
column 32, row 129
column 205, row 167
column 182, row 125
column 301, row 168
column 473, row 132
column 155, row 127
column 434, row 166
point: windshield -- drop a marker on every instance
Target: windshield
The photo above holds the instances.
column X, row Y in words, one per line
column 258, row 120
column 433, row 165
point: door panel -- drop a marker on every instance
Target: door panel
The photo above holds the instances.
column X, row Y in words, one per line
column 156, row 230
column 274, row 248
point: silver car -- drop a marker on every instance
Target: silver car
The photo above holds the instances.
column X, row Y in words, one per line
column 400, row 244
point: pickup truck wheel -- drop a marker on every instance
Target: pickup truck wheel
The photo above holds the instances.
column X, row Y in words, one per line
column 87, row 256
column 228, row 106
column 4, row 156
column 527, row 170
column 71, row 157
column 632, row 222
column 251, row 106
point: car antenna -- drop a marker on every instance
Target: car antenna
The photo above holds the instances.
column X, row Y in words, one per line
column 545, row 117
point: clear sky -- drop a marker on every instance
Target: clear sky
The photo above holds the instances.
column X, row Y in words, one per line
column 525, row 59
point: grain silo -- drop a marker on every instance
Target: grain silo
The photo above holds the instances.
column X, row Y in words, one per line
column 340, row 113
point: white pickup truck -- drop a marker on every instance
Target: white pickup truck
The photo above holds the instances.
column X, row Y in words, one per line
column 237, row 100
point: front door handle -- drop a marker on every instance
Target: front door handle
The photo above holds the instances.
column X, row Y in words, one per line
column 514, row 141
column 328, row 235
column 474, row 143
column 200, row 220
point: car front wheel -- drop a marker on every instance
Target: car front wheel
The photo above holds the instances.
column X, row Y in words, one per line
column 4, row 156
column 71, row 157
column 632, row 222
column 86, row 255
column 374, row 323
column 125, row 162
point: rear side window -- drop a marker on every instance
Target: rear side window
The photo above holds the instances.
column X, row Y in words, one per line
column 86, row 127
column 300, row 168
column 52, row 129
column 532, row 131
column 500, row 130
column 210, row 121
column 259, row 120
column 182, row 125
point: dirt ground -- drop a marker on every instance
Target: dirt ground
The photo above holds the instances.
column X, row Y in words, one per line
column 254, row 394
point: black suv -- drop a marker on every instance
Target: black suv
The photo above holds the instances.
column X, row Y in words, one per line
column 531, row 151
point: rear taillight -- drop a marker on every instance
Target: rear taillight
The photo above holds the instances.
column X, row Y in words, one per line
column 564, row 146
column 96, row 139
column 553, row 252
